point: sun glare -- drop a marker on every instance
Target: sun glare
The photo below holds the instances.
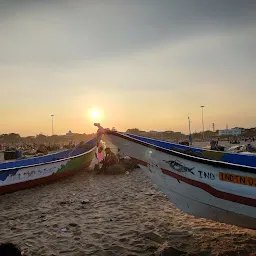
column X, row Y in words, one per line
column 95, row 115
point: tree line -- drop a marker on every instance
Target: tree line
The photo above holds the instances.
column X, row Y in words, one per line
column 171, row 135
column 43, row 139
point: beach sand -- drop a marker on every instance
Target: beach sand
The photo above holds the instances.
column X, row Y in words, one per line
column 90, row 214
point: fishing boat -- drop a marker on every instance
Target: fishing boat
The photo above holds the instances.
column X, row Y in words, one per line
column 215, row 185
column 26, row 173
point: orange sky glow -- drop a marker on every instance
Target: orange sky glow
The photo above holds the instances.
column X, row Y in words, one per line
column 149, row 70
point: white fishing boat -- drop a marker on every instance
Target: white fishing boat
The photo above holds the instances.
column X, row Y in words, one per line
column 215, row 185
column 27, row 173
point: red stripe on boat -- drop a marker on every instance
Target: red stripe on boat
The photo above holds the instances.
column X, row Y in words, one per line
column 214, row 192
column 32, row 183
column 137, row 161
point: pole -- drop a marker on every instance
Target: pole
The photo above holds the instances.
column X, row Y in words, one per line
column 189, row 130
column 203, row 120
column 52, row 123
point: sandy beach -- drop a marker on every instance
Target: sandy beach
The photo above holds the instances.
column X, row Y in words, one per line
column 90, row 214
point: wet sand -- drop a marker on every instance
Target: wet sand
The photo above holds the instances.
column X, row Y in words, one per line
column 91, row 214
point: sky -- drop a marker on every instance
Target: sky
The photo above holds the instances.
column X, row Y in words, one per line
column 142, row 63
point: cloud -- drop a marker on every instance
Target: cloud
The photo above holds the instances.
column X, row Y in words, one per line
column 59, row 33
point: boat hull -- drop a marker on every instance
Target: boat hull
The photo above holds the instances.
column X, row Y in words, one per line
column 22, row 178
column 195, row 188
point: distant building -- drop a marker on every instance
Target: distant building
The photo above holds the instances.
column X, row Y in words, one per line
column 232, row 132
column 69, row 133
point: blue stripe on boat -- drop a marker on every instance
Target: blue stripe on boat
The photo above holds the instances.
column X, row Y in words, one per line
column 48, row 158
column 234, row 158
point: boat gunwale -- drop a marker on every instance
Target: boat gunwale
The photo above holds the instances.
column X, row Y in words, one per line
column 188, row 147
column 215, row 163
column 50, row 162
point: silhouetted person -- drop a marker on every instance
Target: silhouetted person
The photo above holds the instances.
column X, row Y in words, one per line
column 110, row 159
column 214, row 145
column 9, row 249
column 250, row 148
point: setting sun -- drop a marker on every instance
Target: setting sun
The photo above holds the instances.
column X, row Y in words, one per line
column 95, row 115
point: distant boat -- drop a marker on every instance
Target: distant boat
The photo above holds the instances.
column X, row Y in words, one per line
column 26, row 173
column 210, row 184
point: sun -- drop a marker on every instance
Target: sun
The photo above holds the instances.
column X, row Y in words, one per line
column 95, row 115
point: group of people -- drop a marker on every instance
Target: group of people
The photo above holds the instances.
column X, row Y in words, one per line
column 110, row 158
